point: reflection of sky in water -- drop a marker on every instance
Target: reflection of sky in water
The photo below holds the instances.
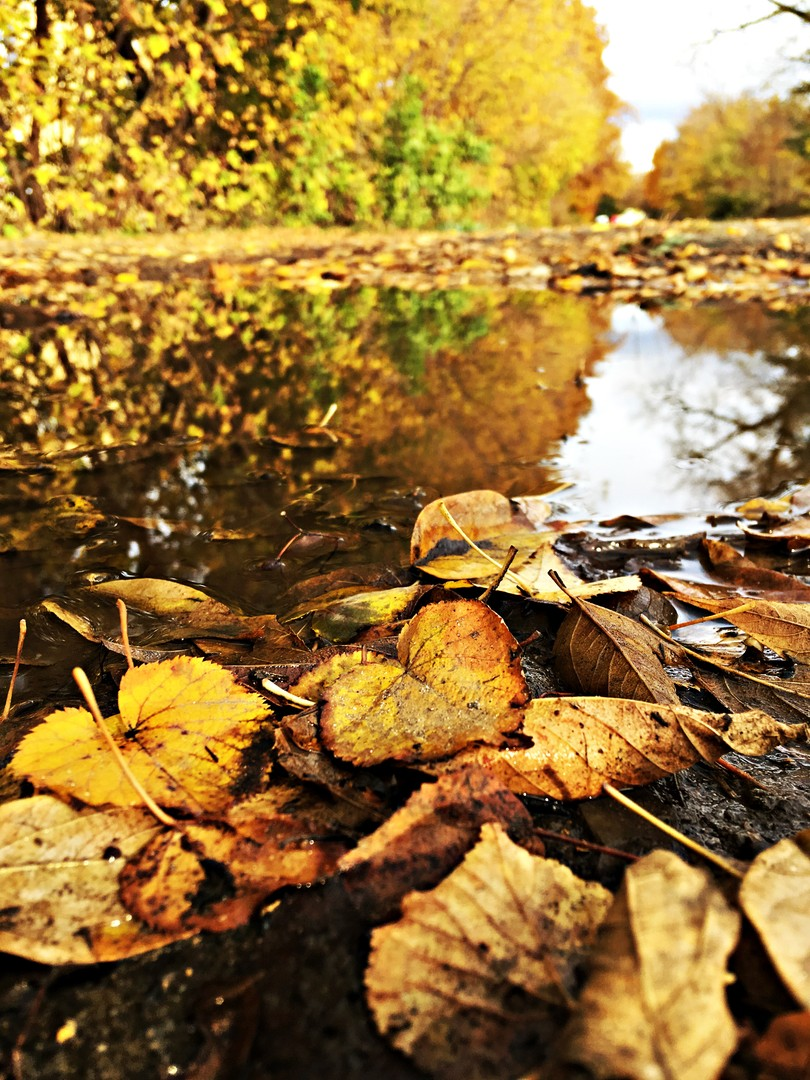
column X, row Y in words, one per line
column 666, row 429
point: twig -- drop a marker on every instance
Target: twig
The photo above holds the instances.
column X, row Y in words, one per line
column 16, row 668
column 507, row 562
column 715, row 615
column 617, row 853
column 669, row 830
column 87, row 693
column 278, row 691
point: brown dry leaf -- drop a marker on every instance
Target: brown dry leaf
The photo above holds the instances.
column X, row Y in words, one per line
column 213, row 875
column 59, row 882
column 458, row 680
column 475, row 979
column 598, row 651
column 795, row 534
column 654, row 1004
column 785, row 699
column 580, row 743
column 182, row 727
column 726, row 563
column 420, row 843
column 775, row 895
column 783, row 1052
column 496, row 524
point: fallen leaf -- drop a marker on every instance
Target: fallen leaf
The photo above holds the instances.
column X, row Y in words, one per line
column 783, row 1052
column 775, row 895
column 580, row 743
column 182, row 727
column 726, row 563
column 340, row 621
column 497, row 524
column 654, row 1006
column 786, row 699
column 59, row 872
column 476, row 977
column 457, row 680
column 426, row 838
column 213, row 875
column 160, row 611
column 795, row 534
column 598, row 651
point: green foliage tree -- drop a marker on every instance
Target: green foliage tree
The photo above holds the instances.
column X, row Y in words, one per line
column 731, row 158
column 127, row 113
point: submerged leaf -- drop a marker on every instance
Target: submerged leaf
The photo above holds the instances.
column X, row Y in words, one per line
column 457, row 680
column 654, row 1005
column 182, row 728
column 476, row 977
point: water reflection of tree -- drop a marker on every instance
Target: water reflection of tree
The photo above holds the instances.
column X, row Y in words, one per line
column 755, row 437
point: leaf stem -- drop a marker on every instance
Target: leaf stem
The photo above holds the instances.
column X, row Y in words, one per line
column 524, row 585
column 16, row 668
column 122, row 615
column 669, row 830
column 87, row 693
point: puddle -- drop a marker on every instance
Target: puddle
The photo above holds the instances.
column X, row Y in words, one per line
column 155, row 433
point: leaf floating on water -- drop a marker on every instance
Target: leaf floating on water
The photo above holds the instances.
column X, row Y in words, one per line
column 580, row 743
column 654, row 1004
column 775, row 895
column 457, row 680
column 182, row 727
column 59, row 872
column 598, row 651
column 475, row 979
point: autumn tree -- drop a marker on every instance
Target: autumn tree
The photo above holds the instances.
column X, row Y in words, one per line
column 731, row 157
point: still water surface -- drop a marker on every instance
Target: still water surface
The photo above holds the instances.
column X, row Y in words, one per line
column 151, row 433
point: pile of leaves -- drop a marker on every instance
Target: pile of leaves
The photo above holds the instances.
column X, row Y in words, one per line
column 397, row 737
column 694, row 260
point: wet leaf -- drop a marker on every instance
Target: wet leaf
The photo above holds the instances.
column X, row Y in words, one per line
column 497, row 524
column 580, row 743
column 775, row 895
column 422, row 842
column 182, row 728
column 744, row 574
column 161, row 611
column 598, row 651
column 213, row 875
column 654, row 1004
column 475, row 978
column 457, row 680
column 59, row 872
column 783, row 1052
column 340, row 621
column 786, row 699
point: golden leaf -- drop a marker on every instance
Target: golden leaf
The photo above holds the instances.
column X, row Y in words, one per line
column 182, row 727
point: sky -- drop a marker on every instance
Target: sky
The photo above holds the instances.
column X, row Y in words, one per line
column 666, row 57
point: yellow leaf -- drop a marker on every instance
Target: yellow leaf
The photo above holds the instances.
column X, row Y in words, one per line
column 657, row 988
column 259, row 11
column 457, row 681
column 182, row 728
column 158, row 45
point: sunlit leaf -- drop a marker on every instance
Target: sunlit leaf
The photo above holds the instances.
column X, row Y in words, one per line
column 182, row 728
